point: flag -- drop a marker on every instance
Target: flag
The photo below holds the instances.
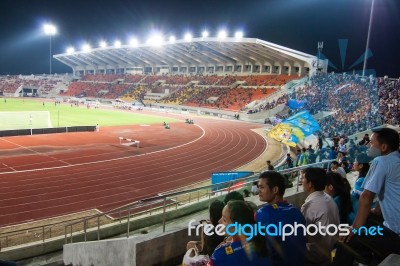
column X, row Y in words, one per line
column 295, row 104
column 295, row 128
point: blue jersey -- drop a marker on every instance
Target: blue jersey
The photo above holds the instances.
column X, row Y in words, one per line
column 237, row 253
column 292, row 250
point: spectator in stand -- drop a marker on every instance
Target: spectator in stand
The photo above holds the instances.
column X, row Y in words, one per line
column 207, row 244
column 233, row 195
column 365, row 141
column 254, row 188
column 303, row 160
column 289, row 161
column 270, row 167
column 312, row 157
column 383, row 181
column 236, row 250
column 298, row 154
column 338, row 169
column 361, row 165
column 291, row 251
column 339, row 189
column 332, row 154
column 318, row 207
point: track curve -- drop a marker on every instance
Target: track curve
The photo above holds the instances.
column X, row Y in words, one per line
column 30, row 195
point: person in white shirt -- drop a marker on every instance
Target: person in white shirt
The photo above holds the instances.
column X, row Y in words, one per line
column 338, row 169
column 318, row 208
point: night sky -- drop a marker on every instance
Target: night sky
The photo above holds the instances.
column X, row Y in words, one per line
column 298, row 24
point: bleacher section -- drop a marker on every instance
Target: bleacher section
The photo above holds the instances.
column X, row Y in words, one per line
column 43, row 84
column 226, row 92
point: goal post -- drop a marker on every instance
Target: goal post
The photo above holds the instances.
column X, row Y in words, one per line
column 25, row 120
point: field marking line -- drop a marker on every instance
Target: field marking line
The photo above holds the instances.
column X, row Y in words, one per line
column 29, row 149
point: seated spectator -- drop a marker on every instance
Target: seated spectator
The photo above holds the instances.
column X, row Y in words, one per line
column 254, row 188
column 236, row 250
column 207, row 244
column 270, row 167
column 338, row 169
column 236, row 195
column 383, row 181
column 318, row 208
column 364, row 141
column 246, row 193
column 339, row 189
column 233, row 195
column 291, row 251
column 361, row 165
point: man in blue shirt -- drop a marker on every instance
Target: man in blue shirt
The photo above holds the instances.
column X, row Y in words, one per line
column 383, row 181
column 290, row 251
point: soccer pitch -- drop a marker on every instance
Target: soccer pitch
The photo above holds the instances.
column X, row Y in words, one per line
column 62, row 115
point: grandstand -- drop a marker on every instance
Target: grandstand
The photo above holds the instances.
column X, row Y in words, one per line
column 249, row 77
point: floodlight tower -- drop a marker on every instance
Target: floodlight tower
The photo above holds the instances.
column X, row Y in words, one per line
column 320, row 47
column 50, row 30
column 368, row 36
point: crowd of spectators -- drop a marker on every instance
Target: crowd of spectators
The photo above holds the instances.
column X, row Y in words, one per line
column 352, row 102
column 389, row 103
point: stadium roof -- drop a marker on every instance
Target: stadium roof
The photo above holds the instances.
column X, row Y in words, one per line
column 203, row 53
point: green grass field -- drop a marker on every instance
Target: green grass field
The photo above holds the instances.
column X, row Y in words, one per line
column 65, row 115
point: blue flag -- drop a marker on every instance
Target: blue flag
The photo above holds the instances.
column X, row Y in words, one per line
column 295, row 104
column 295, row 128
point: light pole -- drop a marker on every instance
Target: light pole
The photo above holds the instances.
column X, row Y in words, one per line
column 368, row 36
column 50, row 30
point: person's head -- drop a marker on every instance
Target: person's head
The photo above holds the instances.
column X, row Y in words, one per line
column 268, row 162
column 271, row 186
column 303, row 150
column 344, row 164
column 246, row 193
column 216, row 211
column 361, row 164
column 334, row 165
column 288, row 155
column 336, row 184
column 233, row 195
column 238, row 211
column 314, row 179
column 383, row 141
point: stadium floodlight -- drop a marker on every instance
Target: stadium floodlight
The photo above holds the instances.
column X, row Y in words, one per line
column 188, row 37
column 133, row 42
column 86, row 48
column 205, row 34
column 70, row 50
column 50, row 30
column 155, row 40
column 117, row 44
column 103, row 44
column 239, row 34
column 172, row 39
column 222, row 34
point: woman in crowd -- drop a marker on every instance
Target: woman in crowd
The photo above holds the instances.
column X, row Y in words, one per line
column 207, row 244
column 361, row 165
column 339, row 189
column 236, row 250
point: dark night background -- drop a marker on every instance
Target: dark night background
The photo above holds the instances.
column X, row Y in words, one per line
column 298, row 24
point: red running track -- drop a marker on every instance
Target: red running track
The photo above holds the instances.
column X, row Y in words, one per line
column 167, row 159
